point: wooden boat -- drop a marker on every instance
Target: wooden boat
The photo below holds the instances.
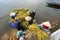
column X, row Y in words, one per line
column 53, row 5
column 22, row 13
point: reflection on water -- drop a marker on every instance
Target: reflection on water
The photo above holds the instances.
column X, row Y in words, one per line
column 43, row 13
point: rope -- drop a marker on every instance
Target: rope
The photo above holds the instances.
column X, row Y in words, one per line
column 4, row 16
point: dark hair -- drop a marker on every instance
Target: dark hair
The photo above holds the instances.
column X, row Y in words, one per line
column 21, row 27
column 32, row 14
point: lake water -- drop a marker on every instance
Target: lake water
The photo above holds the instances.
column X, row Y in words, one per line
column 43, row 13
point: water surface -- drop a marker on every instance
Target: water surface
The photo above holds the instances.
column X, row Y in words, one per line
column 43, row 13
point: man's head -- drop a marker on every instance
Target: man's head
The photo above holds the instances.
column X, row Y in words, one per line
column 12, row 15
column 28, row 18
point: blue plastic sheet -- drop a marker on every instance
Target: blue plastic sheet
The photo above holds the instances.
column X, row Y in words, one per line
column 12, row 25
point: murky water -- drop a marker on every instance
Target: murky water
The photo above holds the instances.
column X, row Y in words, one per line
column 43, row 13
